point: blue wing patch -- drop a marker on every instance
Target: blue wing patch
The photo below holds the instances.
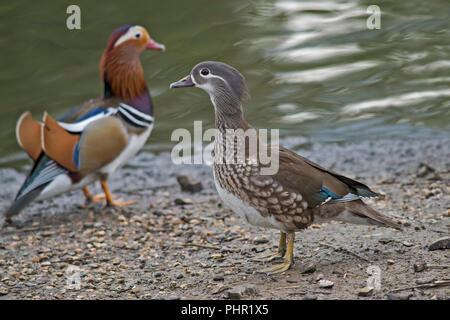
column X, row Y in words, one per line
column 76, row 155
column 326, row 193
column 327, row 196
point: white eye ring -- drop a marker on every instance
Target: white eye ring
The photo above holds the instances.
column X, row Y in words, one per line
column 204, row 72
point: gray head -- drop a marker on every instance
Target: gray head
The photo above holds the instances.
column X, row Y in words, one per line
column 225, row 85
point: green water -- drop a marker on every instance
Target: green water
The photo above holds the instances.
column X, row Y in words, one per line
column 313, row 68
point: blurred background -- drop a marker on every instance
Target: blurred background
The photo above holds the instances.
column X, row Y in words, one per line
column 313, row 68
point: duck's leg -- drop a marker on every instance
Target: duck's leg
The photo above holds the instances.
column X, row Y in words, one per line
column 91, row 198
column 288, row 260
column 279, row 254
column 88, row 195
column 110, row 202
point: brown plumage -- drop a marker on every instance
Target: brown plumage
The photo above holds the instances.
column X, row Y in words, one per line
column 290, row 199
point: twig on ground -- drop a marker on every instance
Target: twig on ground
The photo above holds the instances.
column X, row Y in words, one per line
column 200, row 245
column 435, row 284
column 345, row 250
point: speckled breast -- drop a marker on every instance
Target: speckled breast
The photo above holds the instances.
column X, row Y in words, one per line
column 275, row 206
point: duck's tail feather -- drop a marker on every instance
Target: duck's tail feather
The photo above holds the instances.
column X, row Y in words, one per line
column 19, row 204
column 360, row 209
column 356, row 212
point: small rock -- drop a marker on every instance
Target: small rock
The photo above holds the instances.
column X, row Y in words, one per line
column 219, row 278
column 308, row 267
column 188, row 184
column 419, row 266
column 388, row 181
column 390, row 261
column 180, row 202
column 440, row 244
column 399, row 296
column 135, row 289
column 365, row 292
column 407, row 244
column 385, row 240
column 424, row 170
column 234, row 294
column 323, row 283
column 3, row 291
column 157, row 274
column 180, row 276
column 309, row 297
column 238, row 292
column 260, row 240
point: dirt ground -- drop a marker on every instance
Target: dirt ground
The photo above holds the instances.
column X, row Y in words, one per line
column 178, row 245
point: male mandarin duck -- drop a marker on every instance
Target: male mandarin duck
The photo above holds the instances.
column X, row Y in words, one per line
column 96, row 138
column 289, row 200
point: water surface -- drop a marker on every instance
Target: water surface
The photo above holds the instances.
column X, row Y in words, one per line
column 313, row 68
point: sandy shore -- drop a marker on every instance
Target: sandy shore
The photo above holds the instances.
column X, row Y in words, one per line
column 194, row 248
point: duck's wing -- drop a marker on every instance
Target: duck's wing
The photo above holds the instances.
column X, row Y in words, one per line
column 45, row 169
column 316, row 184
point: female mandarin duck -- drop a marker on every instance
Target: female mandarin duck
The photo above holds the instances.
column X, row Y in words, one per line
column 289, row 200
column 96, row 138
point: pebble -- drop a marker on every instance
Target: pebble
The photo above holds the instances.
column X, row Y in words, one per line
column 365, row 292
column 179, row 276
column 419, row 266
column 399, row 296
column 309, row 297
column 308, row 267
column 234, row 294
column 135, row 289
column 219, row 278
column 440, row 244
column 424, row 170
column 260, row 240
column 238, row 292
column 157, row 274
column 180, row 201
column 323, row 283
column 407, row 244
column 188, row 184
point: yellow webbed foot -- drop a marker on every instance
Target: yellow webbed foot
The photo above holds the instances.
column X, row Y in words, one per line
column 279, row 268
column 289, row 259
column 268, row 257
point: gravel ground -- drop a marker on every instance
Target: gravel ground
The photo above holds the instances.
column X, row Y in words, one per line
column 178, row 245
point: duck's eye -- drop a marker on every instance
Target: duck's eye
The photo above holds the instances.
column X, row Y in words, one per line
column 204, row 72
column 137, row 35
